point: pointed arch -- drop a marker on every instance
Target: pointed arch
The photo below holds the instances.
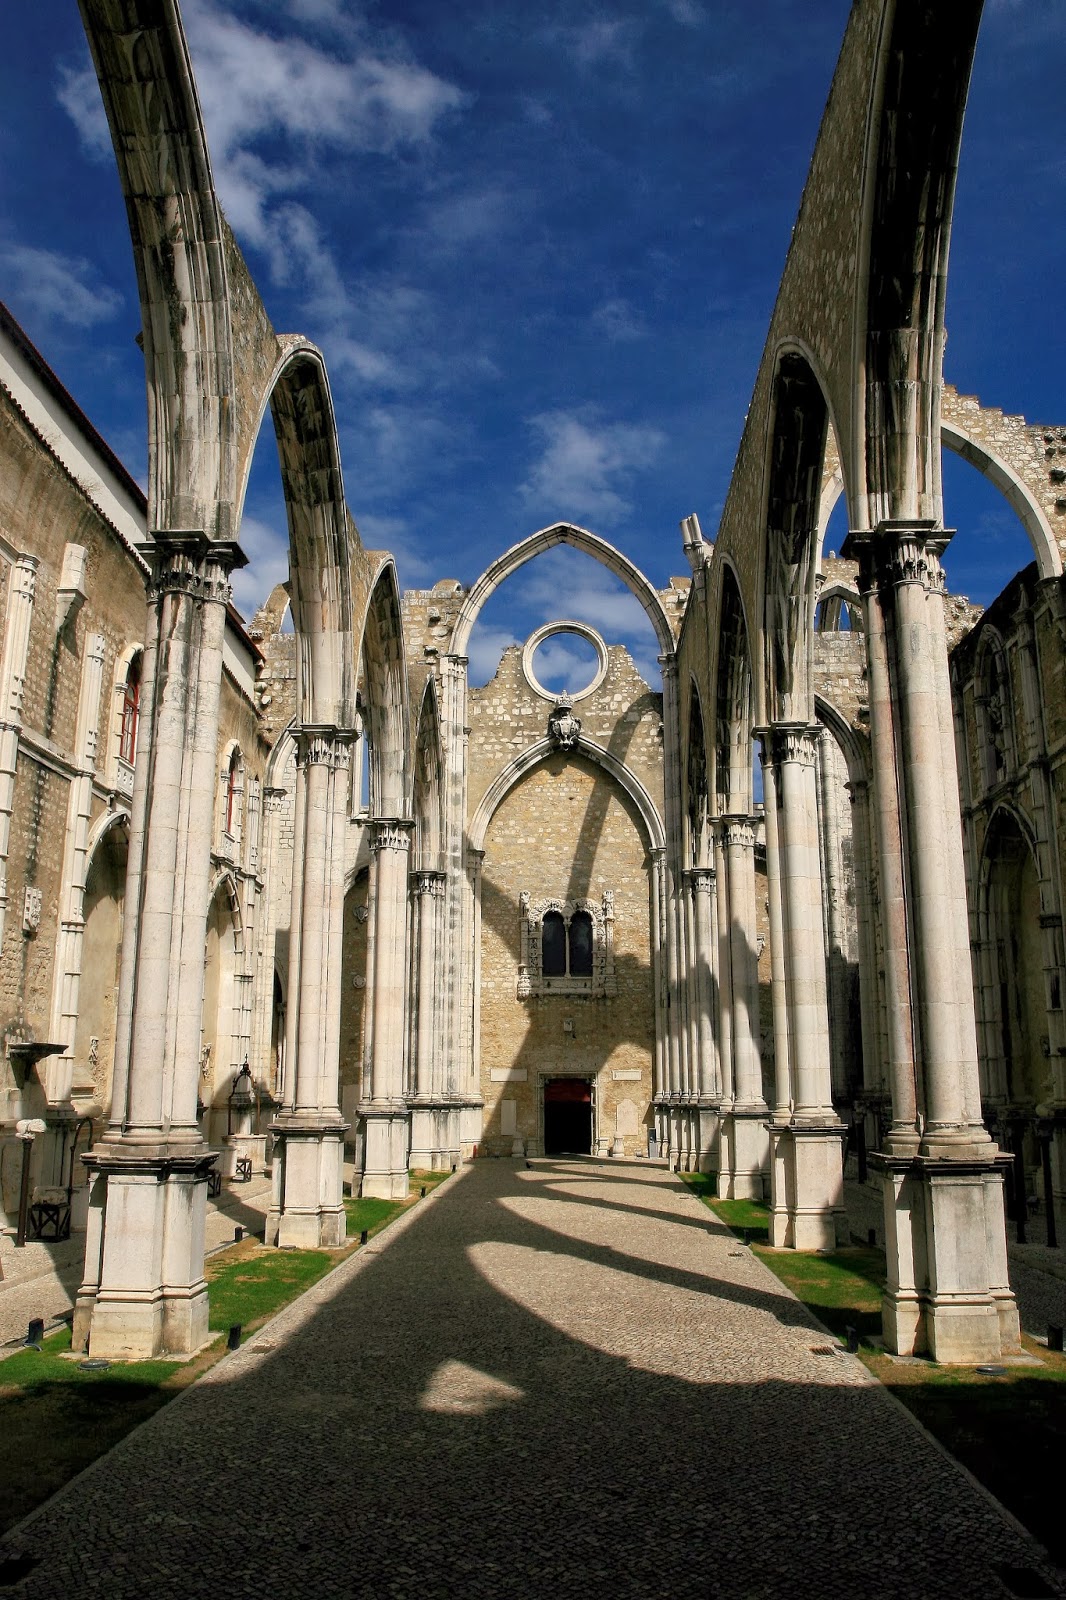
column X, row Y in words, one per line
column 733, row 701
column 505, row 781
column 536, row 544
column 428, row 787
column 384, row 694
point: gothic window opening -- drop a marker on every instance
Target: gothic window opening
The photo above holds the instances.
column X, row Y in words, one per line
column 129, row 712
column 567, row 947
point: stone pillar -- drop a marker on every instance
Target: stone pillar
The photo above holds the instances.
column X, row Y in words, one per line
column 307, row 1208
column 385, row 1172
column 946, row 1290
column 726, row 1084
column 66, row 983
column 811, row 1152
column 781, row 1166
column 660, row 1061
column 17, row 619
column 144, row 1291
column 707, row 1084
column 746, row 1133
column 427, row 1112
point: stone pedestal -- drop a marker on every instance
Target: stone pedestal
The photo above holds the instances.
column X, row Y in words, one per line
column 745, row 1149
column 244, row 1146
column 144, row 1290
column 385, row 1174
column 425, row 1137
column 307, row 1205
column 807, row 1208
column 947, row 1294
column 709, row 1119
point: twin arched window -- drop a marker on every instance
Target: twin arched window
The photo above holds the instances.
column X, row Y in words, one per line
column 566, row 947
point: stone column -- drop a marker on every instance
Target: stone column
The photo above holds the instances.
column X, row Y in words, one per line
column 385, row 1171
column 307, row 1208
column 704, row 1010
column 673, row 920
column 747, row 1135
column 947, row 1290
column 427, row 889
column 18, row 617
column 813, row 1147
column 66, row 983
column 144, row 1290
column 660, row 1062
column 781, row 1165
column 723, row 964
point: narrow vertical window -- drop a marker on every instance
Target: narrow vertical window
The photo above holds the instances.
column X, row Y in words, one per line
column 553, row 945
column 232, row 793
column 581, row 945
column 131, row 705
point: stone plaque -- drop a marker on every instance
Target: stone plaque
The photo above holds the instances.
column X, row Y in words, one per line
column 626, row 1120
column 508, row 1116
column 508, row 1075
column 626, row 1074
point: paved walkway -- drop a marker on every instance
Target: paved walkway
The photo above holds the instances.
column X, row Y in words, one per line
column 568, row 1381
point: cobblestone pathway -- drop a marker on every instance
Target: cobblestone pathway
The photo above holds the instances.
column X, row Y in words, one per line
column 564, row 1381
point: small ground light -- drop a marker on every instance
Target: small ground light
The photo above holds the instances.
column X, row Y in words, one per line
column 233, row 1341
column 364, row 1236
column 1054, row 1336
column 871, row 1237
column 35, row 1333
column 238, row 1235
column 422, row 1196
column 852, row 1335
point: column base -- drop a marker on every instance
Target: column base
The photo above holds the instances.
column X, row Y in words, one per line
column 307, row 1205
column 947, row 1294
column 807, row 1195
column 144, row 1293
column 709, row 1118
column 425, row 1137
column 385, row 1171
column 745, row 1154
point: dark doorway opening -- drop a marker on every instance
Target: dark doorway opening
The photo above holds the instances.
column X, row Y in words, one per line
column 567, row 1117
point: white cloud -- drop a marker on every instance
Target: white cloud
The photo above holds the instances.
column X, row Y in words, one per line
column 562, row 663
column 57, row 286
column 619, row 322
column 484, row 650
column 396, row 535
column 78, row 92
column 686, row 12
column 585, row 464
column 267, row 549
column 601, row 42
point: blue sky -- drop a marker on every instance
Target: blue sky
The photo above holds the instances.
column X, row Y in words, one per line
column 539, row 245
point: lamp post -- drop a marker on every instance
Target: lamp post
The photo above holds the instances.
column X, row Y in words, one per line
column 27, row 1130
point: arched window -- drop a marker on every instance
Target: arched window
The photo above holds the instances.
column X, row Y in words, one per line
column 580, row 943
column 553, row 945
column 129, row 712
column 233, row 794
column 567, row 947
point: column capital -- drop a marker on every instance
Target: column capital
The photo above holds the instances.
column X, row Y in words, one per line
column 323, row 745
column 391, row 833
column 428, row 881
column 668, row 664
column 737, row 831
column 794, row 741
column 897, row 553
column 700, row 879
column 189, row 561
column 454, row 666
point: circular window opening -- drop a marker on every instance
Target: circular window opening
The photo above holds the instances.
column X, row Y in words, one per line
column 565, row 658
